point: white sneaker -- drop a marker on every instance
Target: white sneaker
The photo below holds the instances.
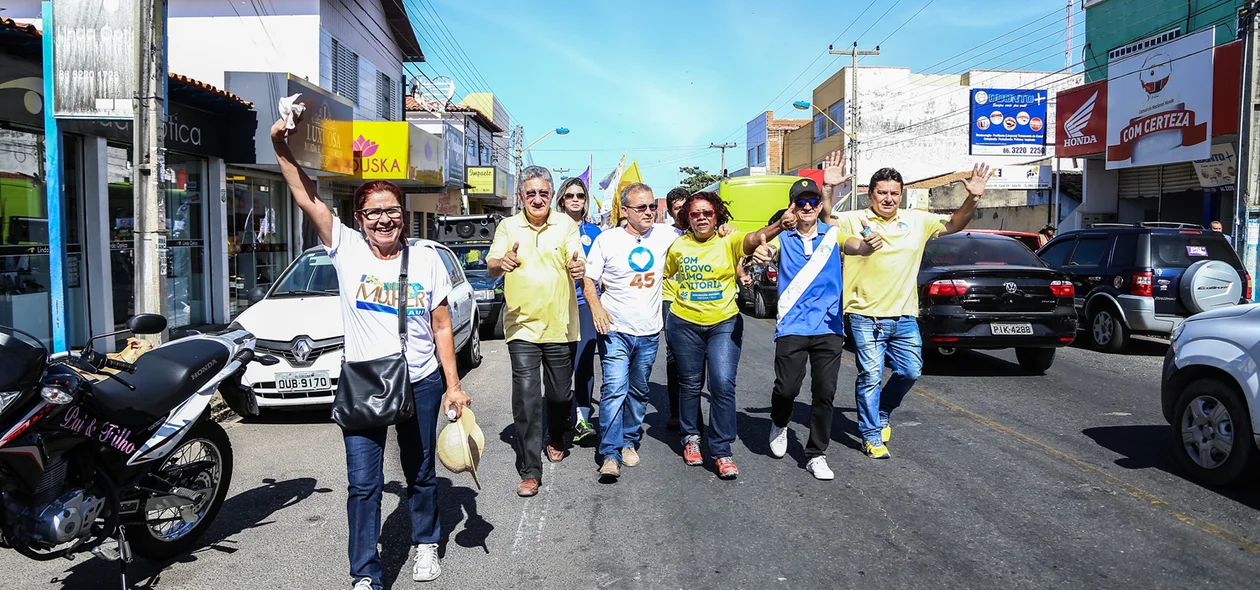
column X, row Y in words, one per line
column 818, row 467
column 778, row 441
column 363, row 584
column 427, row 566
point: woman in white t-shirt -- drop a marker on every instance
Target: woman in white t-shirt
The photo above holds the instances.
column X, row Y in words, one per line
column 368, row 263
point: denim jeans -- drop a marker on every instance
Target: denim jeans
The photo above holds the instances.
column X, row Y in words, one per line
column 365, row 455
column 626, row 360
column 718, row 346
column 873, row 339
column 671, row 364
column 584, row 360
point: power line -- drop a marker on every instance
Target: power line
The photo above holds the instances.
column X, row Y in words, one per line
column 895, row 31
column 881, row 17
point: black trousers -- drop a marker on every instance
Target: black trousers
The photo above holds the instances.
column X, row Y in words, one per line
column 823, row 354
column 556, row 363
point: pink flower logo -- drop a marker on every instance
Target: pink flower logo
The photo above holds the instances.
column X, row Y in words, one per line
column 363, row 147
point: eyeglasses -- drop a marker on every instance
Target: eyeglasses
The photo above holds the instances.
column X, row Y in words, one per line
column 642, row 208
column 537, row 194
column 702, row 213
column 374, row 214
column 812, row 202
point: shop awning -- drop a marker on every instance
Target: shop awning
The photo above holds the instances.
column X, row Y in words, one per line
column 397, row 151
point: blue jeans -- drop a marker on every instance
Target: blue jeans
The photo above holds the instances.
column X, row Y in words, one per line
column 873, row 339
column 584, row 360
column 626, row 360
column 365, row 455
column 718, row 346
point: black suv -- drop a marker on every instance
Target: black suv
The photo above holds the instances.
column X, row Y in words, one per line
column 1145, row 278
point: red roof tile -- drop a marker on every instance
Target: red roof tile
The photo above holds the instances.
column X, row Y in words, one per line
column 208, row 88
column 9, row 23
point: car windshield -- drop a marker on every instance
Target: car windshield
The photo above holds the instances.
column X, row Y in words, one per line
column 968, row 250
column 1183, row 250
column 472, row 256
column 311, row 274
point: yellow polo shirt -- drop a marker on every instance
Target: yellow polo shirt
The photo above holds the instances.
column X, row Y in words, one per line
column 705, row 277
column 886, row 283
column 540, row 297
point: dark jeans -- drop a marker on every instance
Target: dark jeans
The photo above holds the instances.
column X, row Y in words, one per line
column 671, row 365
column 790, row 355
column 584, row 361
column 365, row 454
column 718, row 346
column 556, row 363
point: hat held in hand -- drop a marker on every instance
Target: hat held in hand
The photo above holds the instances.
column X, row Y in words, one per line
column 460, row 444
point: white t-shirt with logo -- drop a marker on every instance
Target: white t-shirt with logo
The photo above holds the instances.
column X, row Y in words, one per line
column 369, row 293
column 630, row 268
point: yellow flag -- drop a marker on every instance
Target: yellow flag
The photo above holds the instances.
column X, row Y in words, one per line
column 629, row 177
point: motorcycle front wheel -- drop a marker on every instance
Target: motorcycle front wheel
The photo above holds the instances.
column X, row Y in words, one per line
column 201, row 463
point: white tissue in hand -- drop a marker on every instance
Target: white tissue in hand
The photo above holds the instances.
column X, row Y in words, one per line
column 290, row 109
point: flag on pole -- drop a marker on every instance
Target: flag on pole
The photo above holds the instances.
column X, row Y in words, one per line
column 610, row 185
column 629, row 177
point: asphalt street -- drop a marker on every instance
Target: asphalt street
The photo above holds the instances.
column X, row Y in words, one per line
column 998, row 479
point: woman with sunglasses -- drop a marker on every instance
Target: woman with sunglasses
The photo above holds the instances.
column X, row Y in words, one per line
column 704, row 326
column 572, row 201
column 368, row 262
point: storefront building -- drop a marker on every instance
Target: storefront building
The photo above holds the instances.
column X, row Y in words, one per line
column 472, row 165
column 205, row 128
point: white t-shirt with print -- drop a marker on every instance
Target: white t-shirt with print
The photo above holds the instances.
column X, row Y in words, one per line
column 630, row 268
column 369, row 293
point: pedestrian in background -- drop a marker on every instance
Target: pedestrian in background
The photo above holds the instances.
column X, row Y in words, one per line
column 881, row 295
column 810, row 327
column 572, row 201
column 539, row 253
column 674, row 200
column 1045, row 235
column 628, row 262
column 1220, row 229
column 704, row 326
column 367, row 261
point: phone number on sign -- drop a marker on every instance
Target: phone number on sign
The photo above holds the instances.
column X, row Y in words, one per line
column 1030, row 150
column 1010, row 150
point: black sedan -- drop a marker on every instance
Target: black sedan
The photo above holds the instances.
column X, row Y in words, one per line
column 985, row 291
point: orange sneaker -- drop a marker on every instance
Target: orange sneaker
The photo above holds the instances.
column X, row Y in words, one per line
column 727, row 469
column 691, row 451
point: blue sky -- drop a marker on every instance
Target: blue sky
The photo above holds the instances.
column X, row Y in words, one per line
column 662, row 80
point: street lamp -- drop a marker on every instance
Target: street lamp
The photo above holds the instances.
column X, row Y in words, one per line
column 805, row 106
column 520, row 151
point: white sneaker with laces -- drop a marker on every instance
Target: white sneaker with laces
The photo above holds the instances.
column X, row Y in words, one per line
column 427, row 566
column 818, row 467
column 778, row 441
column 363, row 584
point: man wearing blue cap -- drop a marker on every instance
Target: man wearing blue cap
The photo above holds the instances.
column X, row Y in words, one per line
column 810, row 317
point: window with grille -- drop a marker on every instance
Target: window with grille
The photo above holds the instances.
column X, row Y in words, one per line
column 386, row 96
column 345, row 72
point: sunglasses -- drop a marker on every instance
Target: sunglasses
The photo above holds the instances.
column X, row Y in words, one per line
column 642, row 208
column 374, row 214
column 702, row 214
column 538, row 194
column 812, row 202
column 575, row 195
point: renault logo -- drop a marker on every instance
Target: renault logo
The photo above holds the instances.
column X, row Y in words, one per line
column 1011, row 287
column 302, row 350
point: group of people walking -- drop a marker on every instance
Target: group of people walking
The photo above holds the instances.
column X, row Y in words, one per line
column 574, row 292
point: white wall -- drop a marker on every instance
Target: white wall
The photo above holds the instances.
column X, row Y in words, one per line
column 209, row 37
column 362, row 28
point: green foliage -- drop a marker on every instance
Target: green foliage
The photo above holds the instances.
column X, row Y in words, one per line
column 697, row 179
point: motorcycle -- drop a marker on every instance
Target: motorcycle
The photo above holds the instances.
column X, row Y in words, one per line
column 104, row 456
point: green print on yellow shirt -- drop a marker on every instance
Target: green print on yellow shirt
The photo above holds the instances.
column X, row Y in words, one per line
column 705, row 277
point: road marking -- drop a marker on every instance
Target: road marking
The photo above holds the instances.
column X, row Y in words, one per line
column 1117, row 414
column 1222, row 533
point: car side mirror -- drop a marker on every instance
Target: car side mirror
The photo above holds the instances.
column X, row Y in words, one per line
column 257, row 294
column 146, row 323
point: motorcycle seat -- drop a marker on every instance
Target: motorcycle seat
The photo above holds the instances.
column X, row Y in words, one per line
column 164, row 377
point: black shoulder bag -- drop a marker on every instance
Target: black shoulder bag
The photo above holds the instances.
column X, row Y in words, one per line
column 376, row 393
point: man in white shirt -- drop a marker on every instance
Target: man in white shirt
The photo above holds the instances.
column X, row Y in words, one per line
column 628, row 262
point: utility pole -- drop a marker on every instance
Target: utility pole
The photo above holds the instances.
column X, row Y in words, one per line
column 723, row 147
column 149, row 160
column 1067, row 35
column 1246, row 223
column 517, row 141
column 853, row 123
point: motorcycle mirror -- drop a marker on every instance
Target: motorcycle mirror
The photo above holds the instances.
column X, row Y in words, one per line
column 147, row 323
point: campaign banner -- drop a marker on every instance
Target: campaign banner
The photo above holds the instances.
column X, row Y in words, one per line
column 1219, row 172
column 1008, row 122
column 94, row 58
column 1160, row 104
column 1081, row 118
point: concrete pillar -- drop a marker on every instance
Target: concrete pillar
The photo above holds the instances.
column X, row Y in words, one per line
column 96, row 259
column 215, row 197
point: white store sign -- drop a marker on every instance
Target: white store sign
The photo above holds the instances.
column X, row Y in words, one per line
column 1021, row 178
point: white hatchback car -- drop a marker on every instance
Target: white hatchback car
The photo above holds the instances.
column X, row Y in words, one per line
column 1211, row 394
column 299, row 322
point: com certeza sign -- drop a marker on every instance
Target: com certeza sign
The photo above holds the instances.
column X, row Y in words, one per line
column 1008, row 122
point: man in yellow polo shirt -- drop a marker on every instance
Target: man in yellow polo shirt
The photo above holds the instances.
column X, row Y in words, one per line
column 881, row 295
column 540, row 252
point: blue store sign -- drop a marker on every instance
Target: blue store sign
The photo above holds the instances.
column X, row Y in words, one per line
column 1008, row 122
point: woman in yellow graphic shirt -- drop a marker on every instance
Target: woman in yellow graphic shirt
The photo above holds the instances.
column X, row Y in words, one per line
column 704, row 326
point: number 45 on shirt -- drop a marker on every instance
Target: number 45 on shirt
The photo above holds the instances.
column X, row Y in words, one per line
column 643, row 280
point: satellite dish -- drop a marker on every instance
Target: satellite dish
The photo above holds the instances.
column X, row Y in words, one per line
column 433, row 94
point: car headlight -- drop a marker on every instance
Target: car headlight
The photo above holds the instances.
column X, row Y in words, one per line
column 1176, row 333
column 481, row 294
